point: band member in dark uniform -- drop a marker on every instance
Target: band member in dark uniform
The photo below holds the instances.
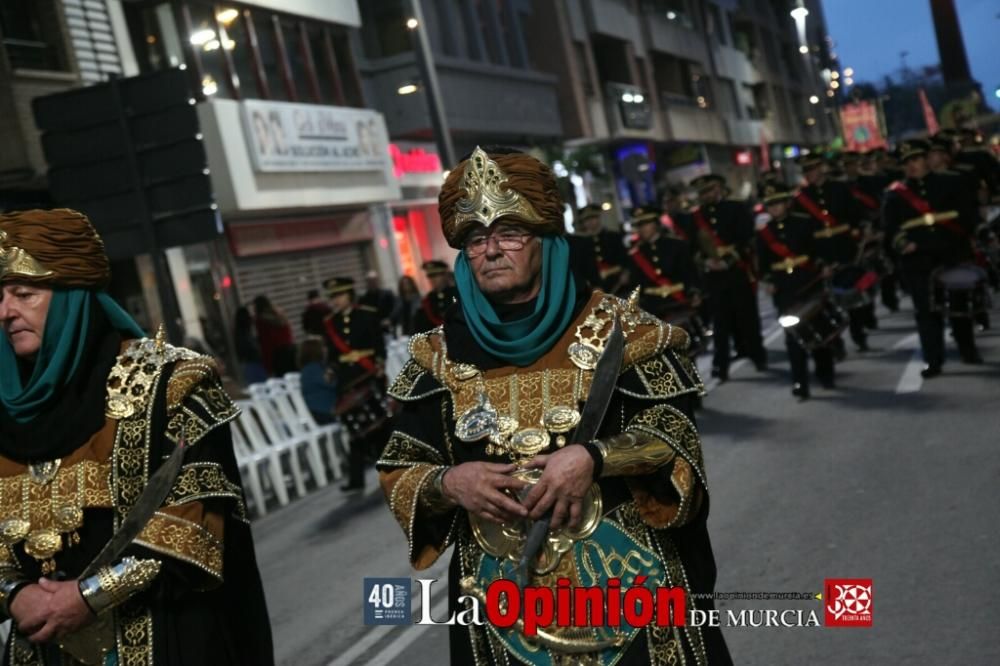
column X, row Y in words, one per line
column 786, row 249
column 663, row 267
column 930, row 218
column 725, row 236
column 602, row 250
column 357, row 355
column 830, row 202
column 441, row 296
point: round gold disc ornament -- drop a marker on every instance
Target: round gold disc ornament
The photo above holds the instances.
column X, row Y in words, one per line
column 583, row 355
column 529, row 441
column 13, row 530
column 68, row 518
column 43, row 544
column 560, row 419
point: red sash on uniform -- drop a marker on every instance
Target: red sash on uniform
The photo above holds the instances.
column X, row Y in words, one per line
column 823, row 216
column 869, row 202
column 425, row 305
column 699, row 219
column 650, row 271
column 780, row 248
column 344, row 348
column 923, row 206
column 669, row 223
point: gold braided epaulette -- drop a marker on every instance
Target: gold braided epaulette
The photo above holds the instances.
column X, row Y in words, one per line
column 135, row 371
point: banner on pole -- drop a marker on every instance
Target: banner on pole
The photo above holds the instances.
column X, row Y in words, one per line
column 861, row 127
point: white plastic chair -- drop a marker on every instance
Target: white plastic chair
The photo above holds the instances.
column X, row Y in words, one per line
column 253, row 452
column 333, row 435
column 249, row 464
column 277, row 402
column 264, row 437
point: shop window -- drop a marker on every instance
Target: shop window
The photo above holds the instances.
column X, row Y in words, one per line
column 383, row 28
column 241, row 51
column 208, row 39
column 32, row 35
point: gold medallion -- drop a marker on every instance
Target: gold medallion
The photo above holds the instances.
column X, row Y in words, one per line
column 118, row 408
column 13, row 530
column 464, row 371
column 508, row 426
column 43, row 544
column 560, row 419
column 583, row 355
column 68, row 518
column 529, row 441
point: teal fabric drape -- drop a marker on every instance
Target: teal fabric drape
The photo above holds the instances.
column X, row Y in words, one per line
column 522, row 341
column 64, row 342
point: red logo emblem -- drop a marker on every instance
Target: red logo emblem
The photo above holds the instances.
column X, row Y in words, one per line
column 848, row 602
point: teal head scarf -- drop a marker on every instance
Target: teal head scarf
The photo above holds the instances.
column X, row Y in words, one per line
column 64, row 341
column 521, row 342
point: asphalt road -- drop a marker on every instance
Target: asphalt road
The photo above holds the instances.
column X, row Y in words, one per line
column 886, row 477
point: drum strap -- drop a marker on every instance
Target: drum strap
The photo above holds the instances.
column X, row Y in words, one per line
column 699, row 219
column 867, row 201
column 344, row 348
column 425, row 305
column 649, row 271
column 823, row 216
column 780, row 248
column 923, row 207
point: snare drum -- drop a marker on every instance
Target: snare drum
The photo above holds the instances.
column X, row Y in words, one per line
column 851, row 286
column 960, row 291
column 815, row 323
column 362, row 407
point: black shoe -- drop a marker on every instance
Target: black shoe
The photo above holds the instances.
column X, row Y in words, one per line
column 863, row 346
column 972, row 358
column 801, row 391
column 760, row 362
column 930, row 370
column 720, row 374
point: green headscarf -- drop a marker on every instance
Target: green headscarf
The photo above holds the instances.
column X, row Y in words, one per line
column 521, row 342
column 64, row 342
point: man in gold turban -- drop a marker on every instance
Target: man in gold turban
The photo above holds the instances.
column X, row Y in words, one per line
column 89, row 411
column 490, row 450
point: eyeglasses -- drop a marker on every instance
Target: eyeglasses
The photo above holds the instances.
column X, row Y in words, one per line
column 508, row 240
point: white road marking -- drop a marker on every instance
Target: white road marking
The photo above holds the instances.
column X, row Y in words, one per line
column 911, row 381
column 403, row 640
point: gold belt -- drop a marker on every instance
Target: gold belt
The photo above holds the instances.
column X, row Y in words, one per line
column 610, row 271
column 356, row 355
column 664, row 290
column 727, row 249
column 830, row 232
column 790, row 264
column 929, row 220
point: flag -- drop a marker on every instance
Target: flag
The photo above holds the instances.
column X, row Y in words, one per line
column 861, row 126
column 765, row 152
column 929, row 117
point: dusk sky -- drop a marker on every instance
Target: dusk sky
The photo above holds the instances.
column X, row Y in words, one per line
column 869, row 34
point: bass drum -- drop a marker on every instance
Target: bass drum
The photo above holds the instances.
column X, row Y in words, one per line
column 960, row 291
column 815, row 323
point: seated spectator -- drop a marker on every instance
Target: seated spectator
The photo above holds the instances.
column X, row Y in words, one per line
column 319, row 388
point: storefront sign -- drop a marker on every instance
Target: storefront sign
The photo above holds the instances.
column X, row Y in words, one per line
column 282, row 136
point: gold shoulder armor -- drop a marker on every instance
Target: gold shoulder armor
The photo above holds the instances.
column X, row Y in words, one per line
column 131, row 381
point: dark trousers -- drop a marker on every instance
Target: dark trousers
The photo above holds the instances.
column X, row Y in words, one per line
column 798, row 358
column 858, row 319
column 734, row 312
column 890, row 293
column 930, row 324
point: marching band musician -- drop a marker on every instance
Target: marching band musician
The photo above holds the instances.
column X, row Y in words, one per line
column 725, row 236
column 602, row 250
column 663, row 265
column 830, row 203
column 441, row 296
column 930, row 218
column 789, row 264
column 357, row 355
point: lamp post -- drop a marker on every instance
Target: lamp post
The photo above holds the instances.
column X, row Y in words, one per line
column 428, row 74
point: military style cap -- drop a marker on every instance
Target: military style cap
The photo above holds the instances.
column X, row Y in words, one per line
column 53, row 248
column 774, row 191
column 912, row 148
column 435, row 267
column 338, row 285
column 499, row 183
column 644, row 214
column 814, row 159
column 850, row 157
column 590, row 210
column 942, row 142
column 702, row 183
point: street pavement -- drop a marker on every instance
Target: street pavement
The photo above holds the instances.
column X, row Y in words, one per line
column 888, row 477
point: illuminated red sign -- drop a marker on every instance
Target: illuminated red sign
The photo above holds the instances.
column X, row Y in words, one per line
column 743, row 157
column 414, row 160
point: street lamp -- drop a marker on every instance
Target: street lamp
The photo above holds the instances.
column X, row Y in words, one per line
column 803, row 49
column 407, row 89
column 814, row 99
column 412, row 23
column 849, row 71
column 799, row 13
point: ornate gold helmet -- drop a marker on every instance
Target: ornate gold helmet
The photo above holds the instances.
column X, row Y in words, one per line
column 489, row 186
column 54, row 248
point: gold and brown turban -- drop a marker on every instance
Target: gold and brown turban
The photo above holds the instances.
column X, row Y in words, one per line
column 487, row 187
column 53, row 248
